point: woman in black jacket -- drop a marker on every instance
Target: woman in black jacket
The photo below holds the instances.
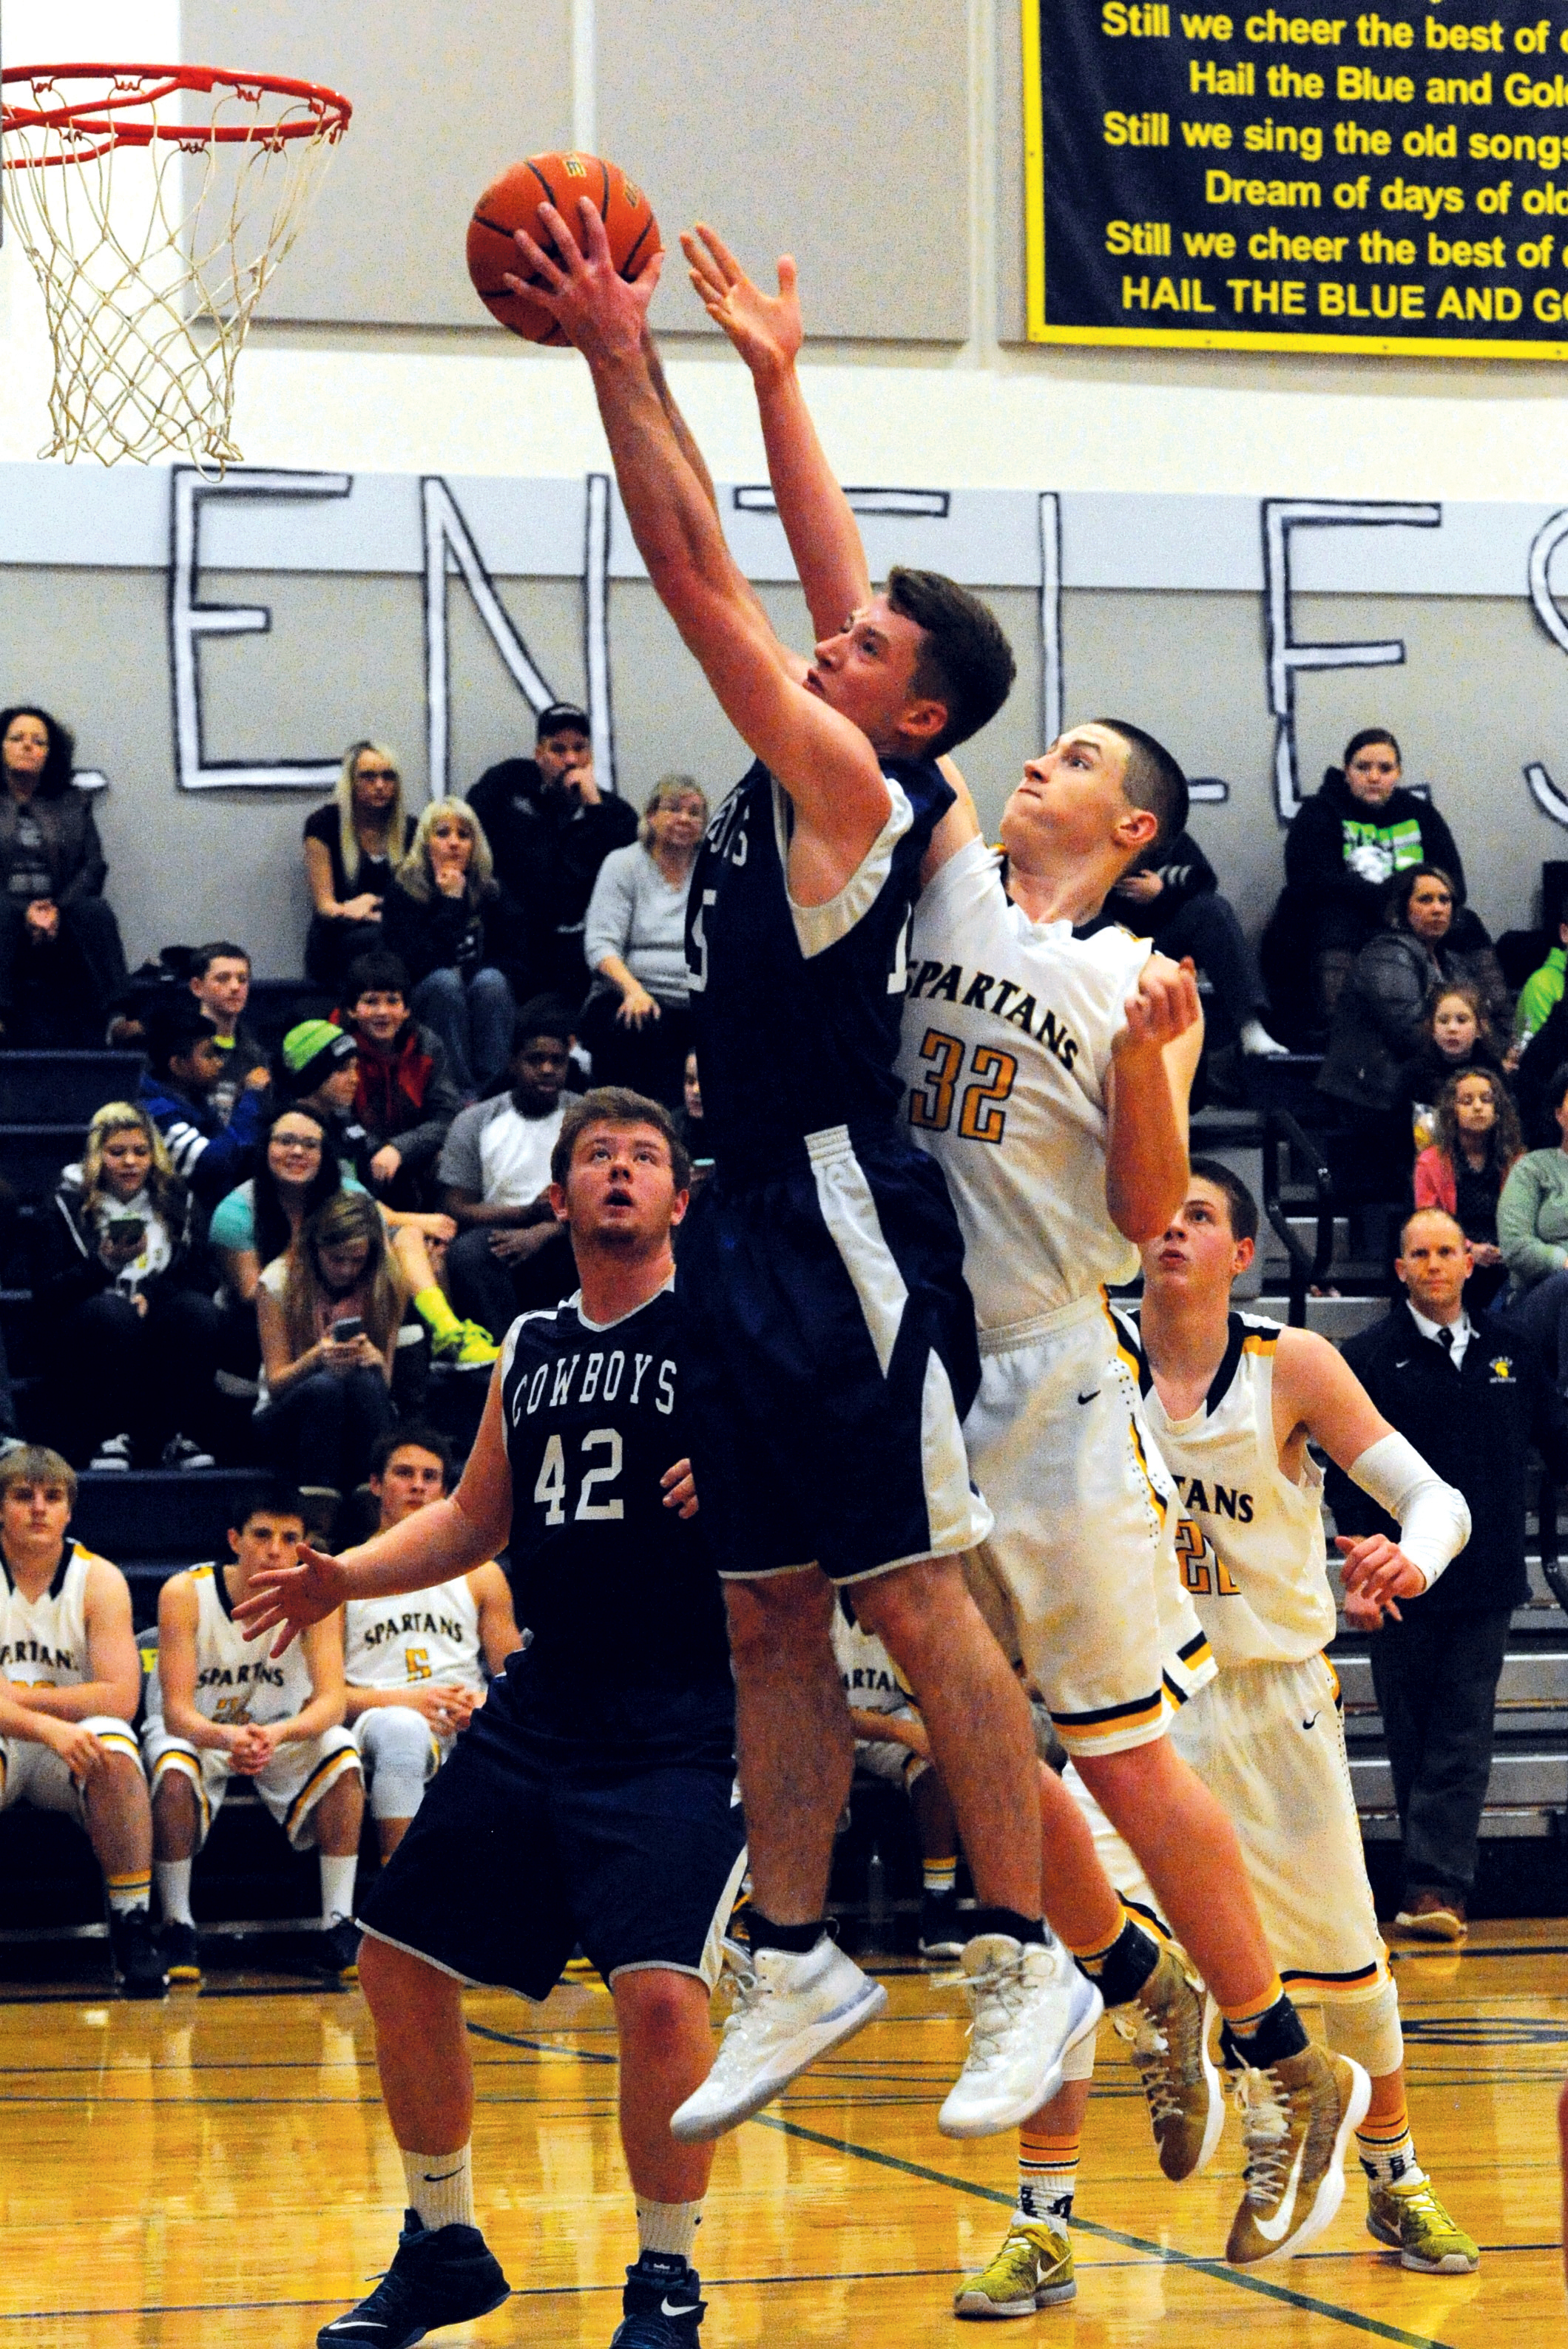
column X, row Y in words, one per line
column 1344, row 848
column 459, row 935
column 61, row 959
column 124, row 1287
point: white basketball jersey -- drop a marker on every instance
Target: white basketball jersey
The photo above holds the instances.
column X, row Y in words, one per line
column 236, row 1679
column 1249, row 1542
column 871, row 1682
column 1005, row 1048
column 43, row 1641
column 433, row 1635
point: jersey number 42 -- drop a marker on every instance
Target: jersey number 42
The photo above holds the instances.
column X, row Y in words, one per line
column 551, row 1485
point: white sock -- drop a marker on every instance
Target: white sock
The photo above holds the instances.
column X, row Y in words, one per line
column 338, row 1888
column 174, row 1878
column 1256, row 1039
column 440, row 2187
column 669, row 2227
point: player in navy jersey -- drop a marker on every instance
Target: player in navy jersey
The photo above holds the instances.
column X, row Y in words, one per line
column 592, row 1799
column 831, row 1349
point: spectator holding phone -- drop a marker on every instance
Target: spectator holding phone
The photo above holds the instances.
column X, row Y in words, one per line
column 328, row 1315
column 124, row 1294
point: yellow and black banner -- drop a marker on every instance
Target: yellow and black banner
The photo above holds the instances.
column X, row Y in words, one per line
column 1391, row 181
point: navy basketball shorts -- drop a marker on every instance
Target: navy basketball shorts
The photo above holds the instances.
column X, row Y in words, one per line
column 830, row 1359
column 523, row 1847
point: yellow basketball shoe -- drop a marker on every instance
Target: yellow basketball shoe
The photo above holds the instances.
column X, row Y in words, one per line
column 1412, row 2221
column 1033, row 2270
column 1164, row 2029
column 1298, row 2116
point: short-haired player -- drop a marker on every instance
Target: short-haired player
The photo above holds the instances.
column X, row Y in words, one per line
column 221, row 1708
column 417, row 1668
column 1234, row 1401
column 831, row 1341
column 1049, row 1080
column 70, row 1681
column 592, row 1797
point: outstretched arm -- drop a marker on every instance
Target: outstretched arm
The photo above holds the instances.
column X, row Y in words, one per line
column 823, row 535
column 823, row 761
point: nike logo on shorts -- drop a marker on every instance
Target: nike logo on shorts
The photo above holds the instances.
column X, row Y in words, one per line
column 1312, row 1724
column 1090, row 1396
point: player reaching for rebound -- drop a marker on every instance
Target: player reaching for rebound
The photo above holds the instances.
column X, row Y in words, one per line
column 1233, row 1402
column 830, row 1335
column 1049, row 1078
column 591, row 1798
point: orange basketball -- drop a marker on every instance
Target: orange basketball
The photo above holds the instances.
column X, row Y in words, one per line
column 513, row 201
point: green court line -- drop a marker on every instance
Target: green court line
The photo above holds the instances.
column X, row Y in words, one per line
column 1217, row 2268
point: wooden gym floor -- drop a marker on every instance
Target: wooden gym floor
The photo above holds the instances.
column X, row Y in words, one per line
column 216, row 2169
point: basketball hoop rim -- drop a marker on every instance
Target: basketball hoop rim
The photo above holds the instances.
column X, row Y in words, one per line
column 329, row 118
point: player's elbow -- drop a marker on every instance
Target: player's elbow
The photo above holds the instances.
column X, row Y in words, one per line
column 1140, row 1215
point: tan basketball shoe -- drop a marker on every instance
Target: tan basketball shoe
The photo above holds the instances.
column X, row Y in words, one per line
column 1298, row 2116
column 1164, row 2029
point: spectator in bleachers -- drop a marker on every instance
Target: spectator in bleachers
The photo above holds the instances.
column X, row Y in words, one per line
column 1543, row 990
column 261, row 1217
column 320, row 1063
column 634, row 1023
column 551, row 828
column 1345, row 845
column 223, row 1708
column 511, row 1253
column 1468, row 1387
column 61, row 959
column 10, row 1229
column 404, row 1096
column 417, row 1664
column 353, row 847
column 1379, row 1019
column 124, row 1293
column 327, row 1313
column 183, row 1065
column 221, row 982
column 1532, row 1232
column 459, row 935
column 70, row 1682
column 1462, row 1171
column 1177, row 904
column 891, row 1745
column 1456, row 1035
column 689, row 1116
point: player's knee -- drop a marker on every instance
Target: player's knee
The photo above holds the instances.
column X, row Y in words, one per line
column 788, row 1614
column 401, row 1989
column 174, row 1801
column 1368, row 2031
column 656, row 2010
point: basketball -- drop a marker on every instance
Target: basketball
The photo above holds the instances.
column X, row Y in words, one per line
column 513, row 201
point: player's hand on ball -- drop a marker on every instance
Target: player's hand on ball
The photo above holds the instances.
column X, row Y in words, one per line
column 1376, row 1572
column 603, row 314
column 765, row 328
column 1165, row 1006
column 294, row 1597
column 680, row 1489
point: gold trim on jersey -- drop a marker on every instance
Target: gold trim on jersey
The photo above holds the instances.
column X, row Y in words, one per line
column 1260, row 1341
column 188, row 1762
column 331, row 1766
column 1088, row 1725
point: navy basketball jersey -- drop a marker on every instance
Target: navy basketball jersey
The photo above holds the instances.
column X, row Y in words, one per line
column 616, row 1590
column 795, row 1008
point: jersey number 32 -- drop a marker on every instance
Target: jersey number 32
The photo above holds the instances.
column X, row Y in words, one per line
column 981, row 1117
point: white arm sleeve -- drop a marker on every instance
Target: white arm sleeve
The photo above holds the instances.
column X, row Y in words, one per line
column 1434, row 1518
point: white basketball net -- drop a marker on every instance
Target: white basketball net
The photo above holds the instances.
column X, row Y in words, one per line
column 153, row 221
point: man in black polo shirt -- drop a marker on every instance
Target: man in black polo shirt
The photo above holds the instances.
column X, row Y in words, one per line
column 1471, row 1391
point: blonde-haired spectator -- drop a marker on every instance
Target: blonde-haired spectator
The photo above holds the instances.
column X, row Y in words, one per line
column 461, row 937
column 123, row 1287
column 353, row 847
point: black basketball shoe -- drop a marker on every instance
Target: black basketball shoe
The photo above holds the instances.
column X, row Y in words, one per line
column 663, row 2304
column 441, row 2275
column 141, row 1973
